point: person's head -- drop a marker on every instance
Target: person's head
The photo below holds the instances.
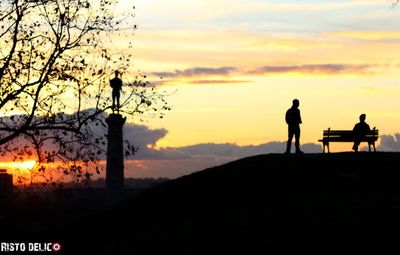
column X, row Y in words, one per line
column 296, row 103
column 116, row 73
column 363, row 117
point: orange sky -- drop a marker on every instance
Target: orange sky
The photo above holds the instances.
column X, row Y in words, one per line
column 233, row 67
column 335, row 56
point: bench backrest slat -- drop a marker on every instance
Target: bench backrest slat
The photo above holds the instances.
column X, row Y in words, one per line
column 348, row 134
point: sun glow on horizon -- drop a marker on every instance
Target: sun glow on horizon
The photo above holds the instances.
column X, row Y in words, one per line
column 20, row 165
column 19, row 168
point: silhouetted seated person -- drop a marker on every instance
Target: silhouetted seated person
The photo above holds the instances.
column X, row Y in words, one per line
column 293, row 119
column 360, row 130
column 116, row 85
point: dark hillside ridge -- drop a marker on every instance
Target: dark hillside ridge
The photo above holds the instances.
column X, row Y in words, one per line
column 344, row 203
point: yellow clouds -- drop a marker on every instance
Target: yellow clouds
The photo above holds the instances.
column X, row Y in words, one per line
column 328, row 69
column 234, row 75
column 248, row 35
column 290, row 44
column 368, row 35
column 180, row 51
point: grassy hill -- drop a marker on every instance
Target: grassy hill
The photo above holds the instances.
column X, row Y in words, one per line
column 269, row 204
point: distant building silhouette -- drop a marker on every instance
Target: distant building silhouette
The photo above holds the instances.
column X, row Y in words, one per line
column 116, row 85
column 359, row 131
column 6, row 182
column 293, row 119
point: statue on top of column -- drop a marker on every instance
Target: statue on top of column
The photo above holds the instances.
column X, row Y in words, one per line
column 116, row 85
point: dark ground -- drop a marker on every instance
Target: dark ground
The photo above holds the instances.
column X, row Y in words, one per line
column 343, row 203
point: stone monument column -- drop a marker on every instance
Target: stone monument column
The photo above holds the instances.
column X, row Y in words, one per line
column 115, row 152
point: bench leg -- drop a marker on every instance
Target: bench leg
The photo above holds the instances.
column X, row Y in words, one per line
column 329, row 151
column 373, row 145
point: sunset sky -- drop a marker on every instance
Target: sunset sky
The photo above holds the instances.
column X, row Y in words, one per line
column 234, row 67
column 237, row 65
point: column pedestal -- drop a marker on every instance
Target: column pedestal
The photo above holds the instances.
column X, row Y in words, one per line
column 115, row 152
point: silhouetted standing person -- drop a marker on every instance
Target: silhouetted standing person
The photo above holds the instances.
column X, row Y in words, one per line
column 293, row 119
column 359, row 131
column 116, row 85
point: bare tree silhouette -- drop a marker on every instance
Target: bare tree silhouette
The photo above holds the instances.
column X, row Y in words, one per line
column 56, row 59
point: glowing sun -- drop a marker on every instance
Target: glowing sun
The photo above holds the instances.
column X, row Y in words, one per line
column 28, row 165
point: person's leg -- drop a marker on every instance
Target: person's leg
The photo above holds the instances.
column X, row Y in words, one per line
column 118, row 103
column 113, row 102
column 297, row 139
column 356, row 144
column 290, row 138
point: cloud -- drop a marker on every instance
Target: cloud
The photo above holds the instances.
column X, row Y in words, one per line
column 313, row 69
column 389, row 143
column 144, row 139
column 179, row 161
column 393, row 36
column 219, row 81
column 199, row 82
column 210, row 10
column 197, row 71
column 195, row 75
column 228, row 150
column 138, row 135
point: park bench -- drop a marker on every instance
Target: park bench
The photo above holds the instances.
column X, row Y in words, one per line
column 347, row 136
